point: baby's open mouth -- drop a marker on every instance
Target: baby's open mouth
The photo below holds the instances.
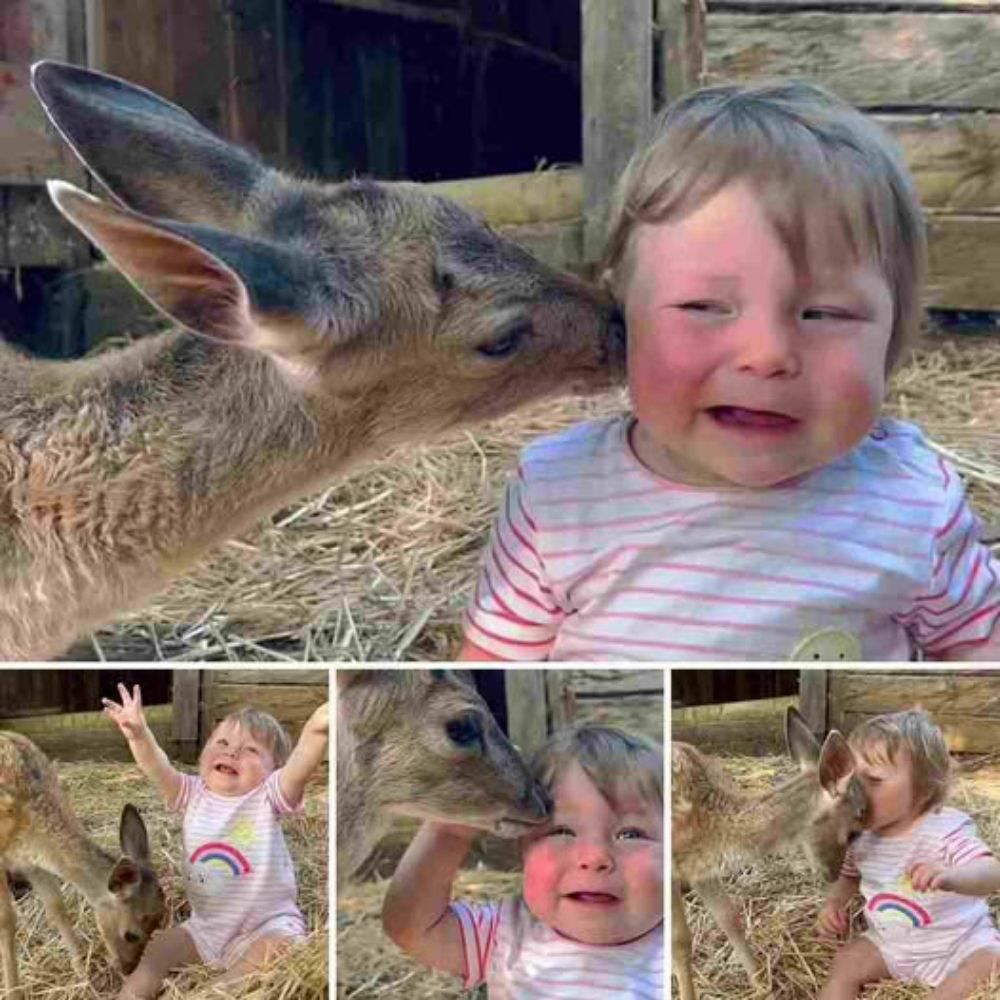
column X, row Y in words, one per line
column 738, row 416
column 594, row 898
column 226, row 769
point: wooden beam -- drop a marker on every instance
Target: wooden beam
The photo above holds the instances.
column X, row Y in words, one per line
column 185, row 727
column 527, row 724
column 680, row 27
column 405, row 10
column 617, row 101
column 813, row 700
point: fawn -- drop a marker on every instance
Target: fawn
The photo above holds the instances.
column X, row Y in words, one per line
column 319, row 325
column 423, row 743
column 717, row 826
column 42, row 840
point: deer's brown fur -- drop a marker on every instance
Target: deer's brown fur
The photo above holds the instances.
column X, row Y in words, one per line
column 717, row 826
column 423, row 743
column 42, row 840
column 319, row 325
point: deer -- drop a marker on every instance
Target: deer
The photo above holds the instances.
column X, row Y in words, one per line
column 717, row 826
column 42, row 841
column 315, row 326
column 423, row 743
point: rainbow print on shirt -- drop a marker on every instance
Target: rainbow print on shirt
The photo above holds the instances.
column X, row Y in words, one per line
column 217, row 858
column 890, row 908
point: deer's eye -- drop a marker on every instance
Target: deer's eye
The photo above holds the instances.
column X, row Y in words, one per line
column 465, row 731
column 132, row 937
column 506, row 343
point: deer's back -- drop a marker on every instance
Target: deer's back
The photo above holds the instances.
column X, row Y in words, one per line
column 32, row 807
column 705, row 809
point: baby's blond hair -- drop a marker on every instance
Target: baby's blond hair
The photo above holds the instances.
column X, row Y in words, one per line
column 810, row 157
column 881, row 739
column 264, row 727
column 615, row 761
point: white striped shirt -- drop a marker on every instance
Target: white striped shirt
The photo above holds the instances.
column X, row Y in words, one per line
column 238, row 873
column 520, row 958
column 593, row 557
column 917, row 925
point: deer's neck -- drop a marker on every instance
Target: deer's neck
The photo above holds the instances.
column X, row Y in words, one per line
column 118, row 473
column 743, row 826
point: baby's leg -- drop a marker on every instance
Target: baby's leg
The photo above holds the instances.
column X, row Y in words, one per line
column 853, row 966
column 976, row 969
column 167, row 950
column 258, row 956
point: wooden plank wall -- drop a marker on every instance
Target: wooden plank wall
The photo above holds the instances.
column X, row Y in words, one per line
column 289, row 695
column 965, row 704
column 929, row 72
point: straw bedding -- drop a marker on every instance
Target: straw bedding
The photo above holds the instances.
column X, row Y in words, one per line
column 379, row 566
column 98, row 791
column 779, row 900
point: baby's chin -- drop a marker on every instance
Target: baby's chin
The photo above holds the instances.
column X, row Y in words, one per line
column 232, row 786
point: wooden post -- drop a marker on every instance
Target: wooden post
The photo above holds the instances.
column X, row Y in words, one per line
column 617, row 101
column 680, row 25
column 813, row 699
column 187, row 704
column 527, row 723
column 561, row 702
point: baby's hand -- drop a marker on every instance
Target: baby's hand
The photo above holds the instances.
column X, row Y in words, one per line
column 128, row 716
column 834, row 921
column 925, row 876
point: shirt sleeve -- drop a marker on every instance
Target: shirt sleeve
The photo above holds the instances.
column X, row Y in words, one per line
column 962, row 845
column 189, row 785
column 849, row 867
column 478, row 924
column 513, row 613
column 962, row 600
column 277, row 800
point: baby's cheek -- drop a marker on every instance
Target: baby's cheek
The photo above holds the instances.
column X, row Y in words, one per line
column 541, row 870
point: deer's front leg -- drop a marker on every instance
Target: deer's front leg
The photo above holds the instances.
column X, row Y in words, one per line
column 8, row 925
column 713, row 895
column 49, row 892
column 681, row 944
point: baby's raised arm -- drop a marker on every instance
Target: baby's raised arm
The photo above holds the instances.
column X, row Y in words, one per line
column 306, row 756
column 148, row 754
column 415, row 913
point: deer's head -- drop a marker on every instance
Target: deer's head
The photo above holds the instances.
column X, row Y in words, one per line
column 133, row 906
column 839, row 804
column 427, row 746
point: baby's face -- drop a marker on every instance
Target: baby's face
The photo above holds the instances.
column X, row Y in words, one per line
column 743, row 370
column 233, row 761
column 892, row 805
column 594, row 872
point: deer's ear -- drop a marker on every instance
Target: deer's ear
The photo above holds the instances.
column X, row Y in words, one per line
column 836, row 764
column 149, row 153
column 227, row 287
column 803, row 747
column 124, row 878
column 132, row 836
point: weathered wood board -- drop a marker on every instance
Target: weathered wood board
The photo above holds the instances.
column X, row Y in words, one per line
column 81, row 736
column 965, row 704
column 871, row 59
column 742, row 727
column 290, row 703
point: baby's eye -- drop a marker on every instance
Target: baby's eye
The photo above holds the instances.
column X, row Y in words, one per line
column 252, row 750
column 827, row 313
column 633, row 833
column 222, row 742
column 560, row 831
column 704, row 306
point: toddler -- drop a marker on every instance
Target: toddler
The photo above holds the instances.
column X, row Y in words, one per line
column 769, row 252
column 589, row 921
column 921, row 869
column 238, row 875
